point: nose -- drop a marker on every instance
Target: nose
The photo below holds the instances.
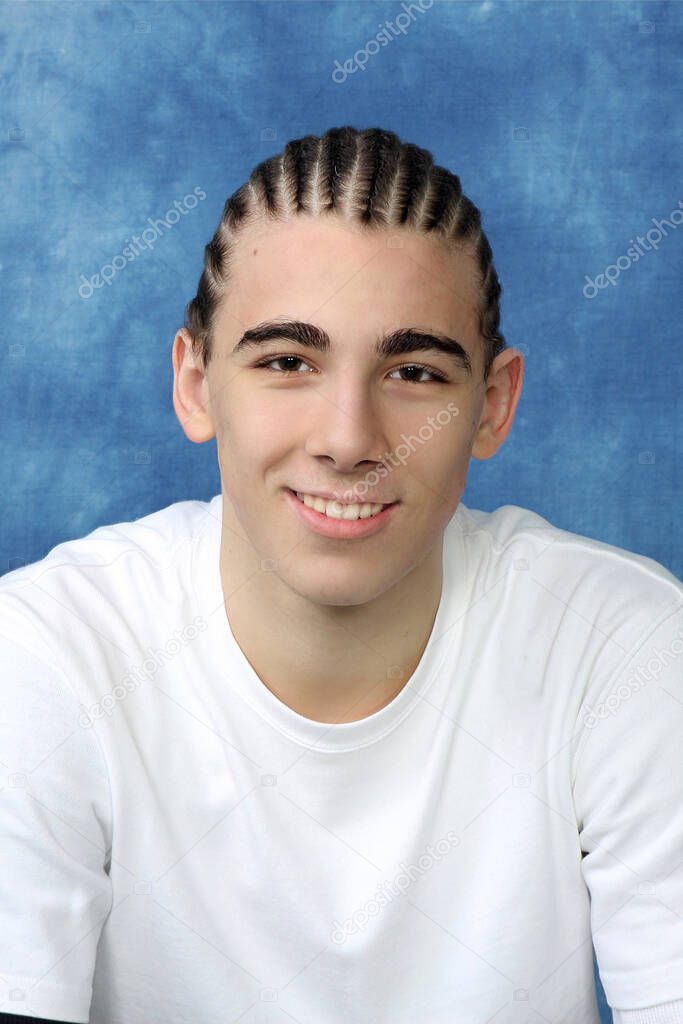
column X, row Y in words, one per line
column 346, row 426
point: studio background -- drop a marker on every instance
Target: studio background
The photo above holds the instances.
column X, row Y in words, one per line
column 563, row 122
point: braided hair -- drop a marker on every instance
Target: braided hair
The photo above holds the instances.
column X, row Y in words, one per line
column 368, row 177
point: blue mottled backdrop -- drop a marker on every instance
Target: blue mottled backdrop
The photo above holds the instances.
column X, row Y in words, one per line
column 563, row 121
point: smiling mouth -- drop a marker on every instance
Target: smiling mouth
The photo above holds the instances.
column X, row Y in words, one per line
column 337, row 510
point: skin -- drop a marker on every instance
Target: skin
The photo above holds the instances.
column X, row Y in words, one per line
column 335, row 628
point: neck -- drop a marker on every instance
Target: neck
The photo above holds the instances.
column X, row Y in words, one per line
column 328, row 662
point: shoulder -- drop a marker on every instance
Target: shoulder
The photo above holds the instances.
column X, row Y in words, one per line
column 618, row 593
column 85, row 580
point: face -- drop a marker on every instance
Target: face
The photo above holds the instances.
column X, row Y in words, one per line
column 342, row 418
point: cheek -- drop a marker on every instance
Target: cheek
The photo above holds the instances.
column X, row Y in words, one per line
column 255, row 428
column 443, row 471
column 439, row 447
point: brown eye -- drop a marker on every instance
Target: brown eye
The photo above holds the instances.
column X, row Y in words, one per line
column 421, row 369
column 266, row 364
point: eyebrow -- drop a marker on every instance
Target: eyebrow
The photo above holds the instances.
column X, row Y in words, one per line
column 403, row 341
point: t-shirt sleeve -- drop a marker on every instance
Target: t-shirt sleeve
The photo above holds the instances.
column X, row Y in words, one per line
column 628, row 799
column 665, row 1013
column 55, row 840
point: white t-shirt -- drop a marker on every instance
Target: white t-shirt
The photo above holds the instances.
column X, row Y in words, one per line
column 178, row 845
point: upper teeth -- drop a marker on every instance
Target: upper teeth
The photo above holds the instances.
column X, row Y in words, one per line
column 335, row 510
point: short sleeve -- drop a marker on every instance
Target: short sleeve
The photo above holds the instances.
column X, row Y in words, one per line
column 664, row 1013
column 628, row 798
column 55, row 839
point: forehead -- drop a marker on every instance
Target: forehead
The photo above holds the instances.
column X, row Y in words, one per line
column 327, row 271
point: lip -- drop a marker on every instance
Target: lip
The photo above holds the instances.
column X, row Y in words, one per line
column 340, row 529
column 328, row 496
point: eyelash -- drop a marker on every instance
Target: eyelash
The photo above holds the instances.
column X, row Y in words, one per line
column 264, row 364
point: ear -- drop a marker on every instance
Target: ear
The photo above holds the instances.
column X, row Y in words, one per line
column 503, row 389
column 191, row 391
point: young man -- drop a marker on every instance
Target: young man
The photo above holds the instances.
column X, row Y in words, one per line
column 288, row 755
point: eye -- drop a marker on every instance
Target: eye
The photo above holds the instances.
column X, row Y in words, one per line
column 267, row 364
column 423, row 369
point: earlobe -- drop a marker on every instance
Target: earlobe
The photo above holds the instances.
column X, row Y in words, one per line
column 502, row 394
column 190, row 391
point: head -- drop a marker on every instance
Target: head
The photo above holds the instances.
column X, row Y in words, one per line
column 398, row 379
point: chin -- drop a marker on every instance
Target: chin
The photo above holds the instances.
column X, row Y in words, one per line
column 323, row 587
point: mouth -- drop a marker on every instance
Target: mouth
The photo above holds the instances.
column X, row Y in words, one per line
column 349, row 522
column 346, row 511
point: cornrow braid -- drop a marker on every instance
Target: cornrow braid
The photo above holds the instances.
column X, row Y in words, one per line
column 369, row 177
